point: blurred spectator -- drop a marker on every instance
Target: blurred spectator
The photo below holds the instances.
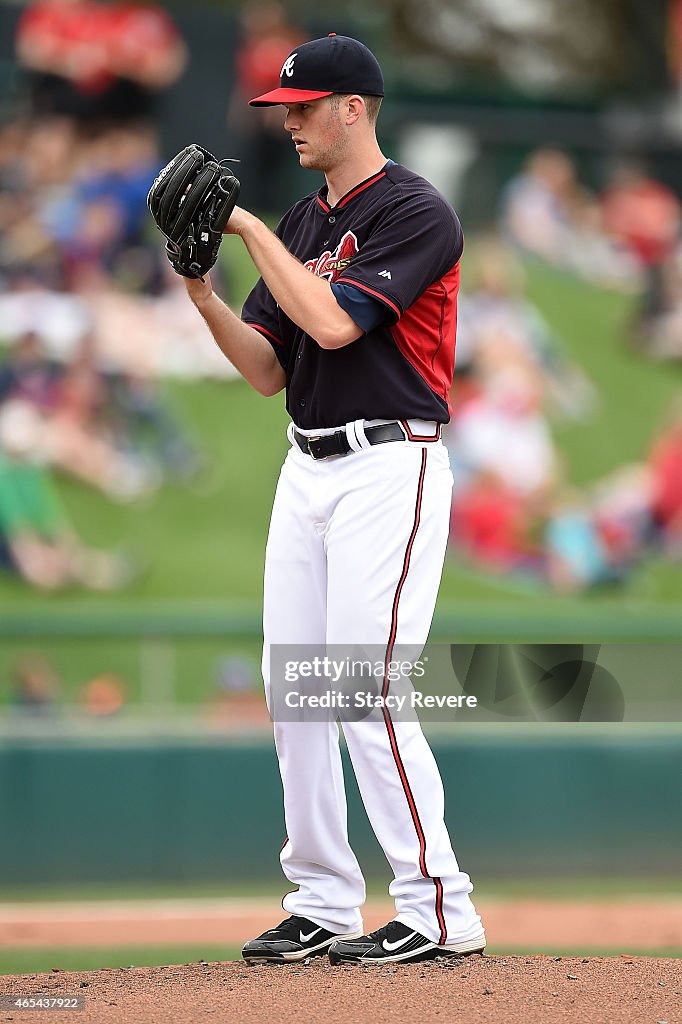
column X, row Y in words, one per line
column 60, row 415
column 98, row 62
column 503, row 432
column 491, row 524
column 665, row 464
column 498, row 327
column 146, row 425
column 237, row 699
column 266, row 41
column 29, row 374
column 577, row 557
column 82, row 437
column 108, row 428
column 104, row 695
column 572, row 541
column 99, row 222
column 539, row 205
column 622, row 502
column 644, row 215
column 36, row 539
column 119, row 421
column 661, row 336
column 78, row 252
column 35, row 687
column 73, row 212
column 547, row 212
column 13, row 186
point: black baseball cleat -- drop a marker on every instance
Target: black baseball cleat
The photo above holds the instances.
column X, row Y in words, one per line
column 291, row 940
column 394, row 943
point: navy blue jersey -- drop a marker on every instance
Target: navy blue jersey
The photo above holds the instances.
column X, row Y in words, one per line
column 390, row 249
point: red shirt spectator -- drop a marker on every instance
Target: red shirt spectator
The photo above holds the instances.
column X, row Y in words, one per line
column 88, row 49
column 643, row 214
column 267, row 42
column 69, row 38
column 666, row 464
column 490, row 523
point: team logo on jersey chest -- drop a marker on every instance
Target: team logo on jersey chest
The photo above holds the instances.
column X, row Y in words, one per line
column 332, row 264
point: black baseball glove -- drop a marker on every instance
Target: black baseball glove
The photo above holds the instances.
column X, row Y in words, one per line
column 191, row 201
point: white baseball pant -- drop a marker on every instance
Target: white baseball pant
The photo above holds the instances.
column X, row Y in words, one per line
column 354, row 556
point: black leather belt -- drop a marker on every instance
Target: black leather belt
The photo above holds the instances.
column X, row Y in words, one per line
column 323, row 446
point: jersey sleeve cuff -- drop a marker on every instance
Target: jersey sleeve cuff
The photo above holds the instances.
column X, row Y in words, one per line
column 277, row 344
column 375, row 294
column 272, row 338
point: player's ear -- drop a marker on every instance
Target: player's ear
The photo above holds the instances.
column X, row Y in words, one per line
column 355, row 106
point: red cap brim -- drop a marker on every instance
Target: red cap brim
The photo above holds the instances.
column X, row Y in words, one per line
column 271, row 99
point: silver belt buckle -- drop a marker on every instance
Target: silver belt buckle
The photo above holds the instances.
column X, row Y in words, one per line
column 312, row 442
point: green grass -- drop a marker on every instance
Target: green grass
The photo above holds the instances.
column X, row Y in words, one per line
column 204, row 540
column 42, row 960
column 633, row 391
column 203, row 543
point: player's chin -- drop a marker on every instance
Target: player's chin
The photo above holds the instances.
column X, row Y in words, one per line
column 309, row 161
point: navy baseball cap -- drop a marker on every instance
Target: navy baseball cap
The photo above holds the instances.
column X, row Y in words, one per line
column 325, row 66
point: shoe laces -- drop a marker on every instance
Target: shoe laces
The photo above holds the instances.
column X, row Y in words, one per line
column 388, row 930
column 291, row 925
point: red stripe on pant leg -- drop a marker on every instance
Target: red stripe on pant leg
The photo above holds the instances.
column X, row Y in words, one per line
column 387, row 717
column 403, row 575
column 417, row 825
column 389, row 654
column 408, row 792
column 439, row 910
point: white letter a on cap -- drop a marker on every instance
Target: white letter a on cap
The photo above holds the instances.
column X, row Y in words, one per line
column 288, row 66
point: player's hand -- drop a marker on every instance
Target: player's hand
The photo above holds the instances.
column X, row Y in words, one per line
column 198, row 289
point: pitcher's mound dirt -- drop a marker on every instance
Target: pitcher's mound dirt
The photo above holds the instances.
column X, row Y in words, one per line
column 475, row 990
